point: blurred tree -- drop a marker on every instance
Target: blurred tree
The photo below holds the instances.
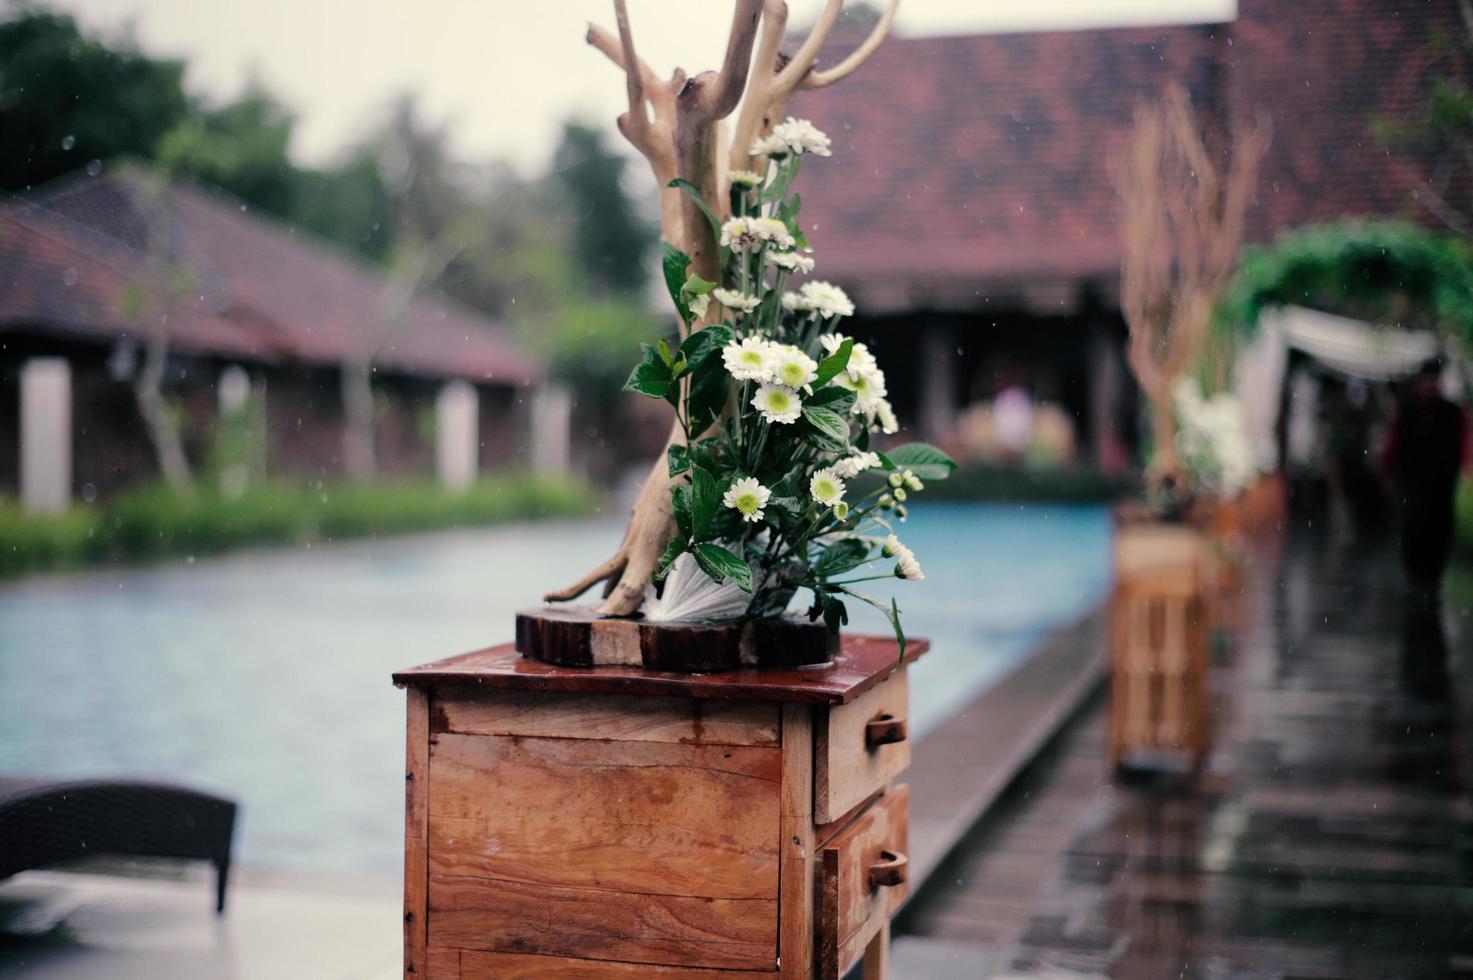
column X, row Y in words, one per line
column 66, row 98
column 609, row 237
column 347, row 204
column 240, row 147
column 1435, row 144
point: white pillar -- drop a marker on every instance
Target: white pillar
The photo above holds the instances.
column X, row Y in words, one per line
column 552, row 423
column 233, row 392
column 46, row 434
column 936, row 382
column 457, row 435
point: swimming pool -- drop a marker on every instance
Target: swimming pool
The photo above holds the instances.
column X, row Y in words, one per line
column 265, row 675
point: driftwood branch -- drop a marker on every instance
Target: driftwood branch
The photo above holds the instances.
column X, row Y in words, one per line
column 676, row 127
column 1181, row 225
column 857, row 57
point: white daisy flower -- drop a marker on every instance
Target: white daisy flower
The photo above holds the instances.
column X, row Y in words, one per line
column 772, row 230
column 745, row 178
column 800, row 136
column 913, row 482
column 749, row 360
column 841, row 510
column 908, row 568
column 886, row 416
column 868, row 388
column 856, row 463
column 797, row 302
column 739, row 235
column 778, row 403
column 747, row 497
column 793, row 368
column 733, row 300
column 826, row 487
column 764, row 146
column 791, row 261
column 827, row 299
column 832, row 342
column 893, row 548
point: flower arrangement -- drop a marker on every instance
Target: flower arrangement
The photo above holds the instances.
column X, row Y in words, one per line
column 775, row 485
column 1212, row 440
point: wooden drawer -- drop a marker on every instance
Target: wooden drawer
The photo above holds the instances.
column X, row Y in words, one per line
column 861, row 881
column 635, row 851
column 859, row 747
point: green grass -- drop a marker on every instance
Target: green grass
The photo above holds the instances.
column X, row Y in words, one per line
column 154, row 523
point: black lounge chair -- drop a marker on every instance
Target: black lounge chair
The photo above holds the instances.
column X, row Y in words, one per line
column 45, row 822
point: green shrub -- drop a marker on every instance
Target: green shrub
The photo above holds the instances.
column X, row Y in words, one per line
column 156, row 523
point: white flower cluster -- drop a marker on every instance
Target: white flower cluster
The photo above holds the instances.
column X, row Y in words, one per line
column 1212, row 439
column 818, row 296
column 794, row 136
column 747, row 234
column 864, row 377
column 906, row 565
column 766, row 361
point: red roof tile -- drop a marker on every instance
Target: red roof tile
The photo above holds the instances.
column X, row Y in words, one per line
column 973, row 170
column 279, row 293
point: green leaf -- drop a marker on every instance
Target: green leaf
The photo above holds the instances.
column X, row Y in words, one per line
column 674, row 263
column 833, row 398
column 680, row 504
column 652, row 376
column 841, row 556
column 704, row 499
column 830, row 425
column 829, row 367
column 665, row 355
column 674, row 551
column 787, row 212
column 922, row 459
column 695, row 195
column 778, row 189
column 679, row 459
column 709, row 387
column 704, row 342
column 899, row 633
column 721, row 565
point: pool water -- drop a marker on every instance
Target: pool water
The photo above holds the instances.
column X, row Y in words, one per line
column 264, row 676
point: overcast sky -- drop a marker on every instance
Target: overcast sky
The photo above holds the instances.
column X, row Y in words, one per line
column 501, row 73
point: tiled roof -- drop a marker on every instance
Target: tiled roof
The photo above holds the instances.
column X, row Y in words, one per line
column 970, row 171
column 264, row 291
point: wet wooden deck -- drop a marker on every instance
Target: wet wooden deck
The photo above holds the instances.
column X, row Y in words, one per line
column 1331, row 837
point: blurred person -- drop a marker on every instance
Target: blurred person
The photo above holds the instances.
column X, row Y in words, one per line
column 1424, row 455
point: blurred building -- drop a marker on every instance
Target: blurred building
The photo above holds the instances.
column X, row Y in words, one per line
column 968, row 206
column 95, row 267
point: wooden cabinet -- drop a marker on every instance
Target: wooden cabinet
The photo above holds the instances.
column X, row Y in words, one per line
column 612, row 821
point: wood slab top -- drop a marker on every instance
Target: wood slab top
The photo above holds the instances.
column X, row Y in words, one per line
column 862, row 662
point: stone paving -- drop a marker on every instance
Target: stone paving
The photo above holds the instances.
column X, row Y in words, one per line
column 1332, row 836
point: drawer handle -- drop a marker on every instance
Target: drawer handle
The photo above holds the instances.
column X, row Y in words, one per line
column 884, row 729
column 889, row 870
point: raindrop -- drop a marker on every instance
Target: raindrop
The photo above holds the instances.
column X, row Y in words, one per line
column 69, row 277
column 89, row 493
column 94, row 167
column 68, row 141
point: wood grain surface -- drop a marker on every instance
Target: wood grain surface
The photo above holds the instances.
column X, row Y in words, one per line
column 627, row 817
column 862, row 662
column 612, row 717
column 850, row 911
column 847, row 769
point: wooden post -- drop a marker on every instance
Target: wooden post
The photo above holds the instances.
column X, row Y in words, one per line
column 46, row 434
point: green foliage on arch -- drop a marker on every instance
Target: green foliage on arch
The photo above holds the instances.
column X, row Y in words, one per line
column 1380, row 271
